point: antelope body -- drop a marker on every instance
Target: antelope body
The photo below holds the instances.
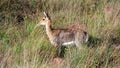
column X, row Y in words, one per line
column 67, row 36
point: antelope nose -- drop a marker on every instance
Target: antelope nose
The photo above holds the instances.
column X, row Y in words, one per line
column 37, row 25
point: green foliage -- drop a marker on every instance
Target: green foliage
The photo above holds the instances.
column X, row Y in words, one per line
column 24, row 46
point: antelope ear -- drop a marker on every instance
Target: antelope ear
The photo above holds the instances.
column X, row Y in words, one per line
column 46, row 15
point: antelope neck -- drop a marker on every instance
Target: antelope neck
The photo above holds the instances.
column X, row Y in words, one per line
column 48, row 29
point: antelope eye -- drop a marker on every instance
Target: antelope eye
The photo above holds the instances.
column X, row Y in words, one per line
column 43, row 19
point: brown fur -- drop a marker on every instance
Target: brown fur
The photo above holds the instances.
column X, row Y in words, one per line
column 58, row 37
column 77, row 26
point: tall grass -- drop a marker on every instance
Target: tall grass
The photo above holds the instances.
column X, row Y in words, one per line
column 23, row 46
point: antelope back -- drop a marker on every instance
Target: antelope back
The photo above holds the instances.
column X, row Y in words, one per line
column 76, row 26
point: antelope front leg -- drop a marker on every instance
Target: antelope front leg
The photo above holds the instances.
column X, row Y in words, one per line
column 58, row 51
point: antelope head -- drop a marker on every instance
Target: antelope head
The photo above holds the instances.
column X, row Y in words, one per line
column 45, row 20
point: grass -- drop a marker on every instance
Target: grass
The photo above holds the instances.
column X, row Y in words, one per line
column 23, row 46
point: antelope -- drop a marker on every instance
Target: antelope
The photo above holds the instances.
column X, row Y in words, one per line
column 63, row 37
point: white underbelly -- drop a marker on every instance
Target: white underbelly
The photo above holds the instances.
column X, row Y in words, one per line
column 69, row 43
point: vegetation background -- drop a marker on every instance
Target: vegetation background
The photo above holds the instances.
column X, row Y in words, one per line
column 23, row 46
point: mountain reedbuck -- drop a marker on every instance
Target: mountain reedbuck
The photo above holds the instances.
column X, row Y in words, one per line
column 73, row 35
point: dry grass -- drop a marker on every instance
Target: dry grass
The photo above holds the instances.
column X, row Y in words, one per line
column 23, row 46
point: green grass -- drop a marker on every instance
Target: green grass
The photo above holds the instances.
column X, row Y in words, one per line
column 23, row 46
